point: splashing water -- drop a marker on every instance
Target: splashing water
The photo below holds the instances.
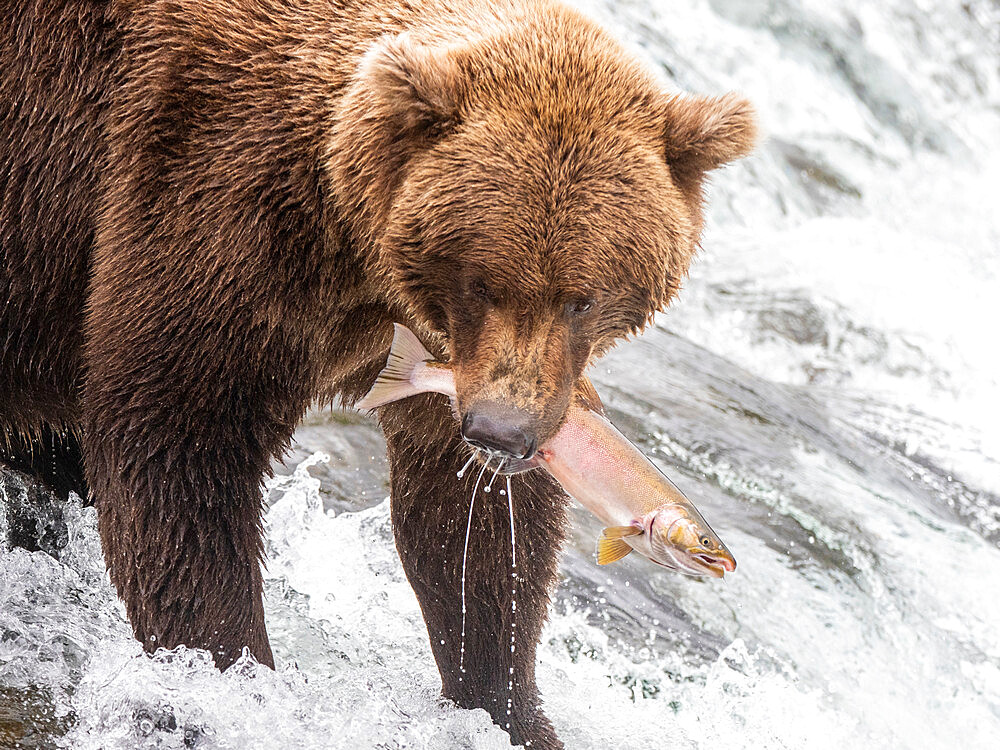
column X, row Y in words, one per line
column 825, row 389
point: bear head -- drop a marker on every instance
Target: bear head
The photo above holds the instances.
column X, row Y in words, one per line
column 533, row 195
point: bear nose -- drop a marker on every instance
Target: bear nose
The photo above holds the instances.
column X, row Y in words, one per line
column 499, row 428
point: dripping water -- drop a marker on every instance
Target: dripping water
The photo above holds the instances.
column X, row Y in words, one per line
column 513, row 600
column 461, row 472
column 513, row 570
column 465, row 557
column 497, row 470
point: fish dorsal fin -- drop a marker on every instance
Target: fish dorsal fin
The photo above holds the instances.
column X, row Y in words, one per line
column 395, row 380
column 587, row 396
column 618, row 532
column 610, row 550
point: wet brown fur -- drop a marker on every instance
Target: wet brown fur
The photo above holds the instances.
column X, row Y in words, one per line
column 210, row 212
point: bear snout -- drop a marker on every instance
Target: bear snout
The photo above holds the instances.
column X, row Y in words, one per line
column 500, row 428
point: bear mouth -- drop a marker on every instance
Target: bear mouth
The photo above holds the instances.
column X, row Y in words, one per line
column 502, row 463
column 518, row 465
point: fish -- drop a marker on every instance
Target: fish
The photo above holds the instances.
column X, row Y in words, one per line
column 594, row 463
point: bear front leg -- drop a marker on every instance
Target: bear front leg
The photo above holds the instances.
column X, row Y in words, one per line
column 179, row 433
column 430, row 512
column 180, row 526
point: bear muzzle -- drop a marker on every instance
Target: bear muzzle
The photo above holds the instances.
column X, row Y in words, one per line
column 500, row 428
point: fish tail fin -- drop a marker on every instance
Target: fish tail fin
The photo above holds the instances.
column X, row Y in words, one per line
column 396, row 379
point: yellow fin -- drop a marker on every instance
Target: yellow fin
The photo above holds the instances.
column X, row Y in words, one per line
column 609, row 550
column 617, row 532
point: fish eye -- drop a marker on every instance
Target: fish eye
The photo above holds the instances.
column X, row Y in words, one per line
column 704, row 541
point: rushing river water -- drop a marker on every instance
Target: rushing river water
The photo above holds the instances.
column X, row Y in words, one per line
column 826, row 390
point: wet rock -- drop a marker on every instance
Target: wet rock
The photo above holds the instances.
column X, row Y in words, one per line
column 29, row 720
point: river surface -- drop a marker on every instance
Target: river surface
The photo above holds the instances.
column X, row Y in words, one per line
column 825, row 389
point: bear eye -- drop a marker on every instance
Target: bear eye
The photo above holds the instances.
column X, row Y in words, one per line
column 581, row 306
column 478, row 289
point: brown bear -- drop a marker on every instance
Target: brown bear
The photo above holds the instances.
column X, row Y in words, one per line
column 212, row 211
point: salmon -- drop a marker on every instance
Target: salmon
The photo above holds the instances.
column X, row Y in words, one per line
column 594, row 463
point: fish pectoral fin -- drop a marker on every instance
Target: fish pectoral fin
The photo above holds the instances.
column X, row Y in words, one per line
column 610, row 550
column 617, row 532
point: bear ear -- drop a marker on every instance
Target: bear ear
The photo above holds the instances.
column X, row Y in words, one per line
column 703, row 133
column 419, row 88
column 404, row 95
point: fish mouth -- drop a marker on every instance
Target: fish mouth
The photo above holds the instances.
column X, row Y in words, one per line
column 714, row 565
column 693, row 568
